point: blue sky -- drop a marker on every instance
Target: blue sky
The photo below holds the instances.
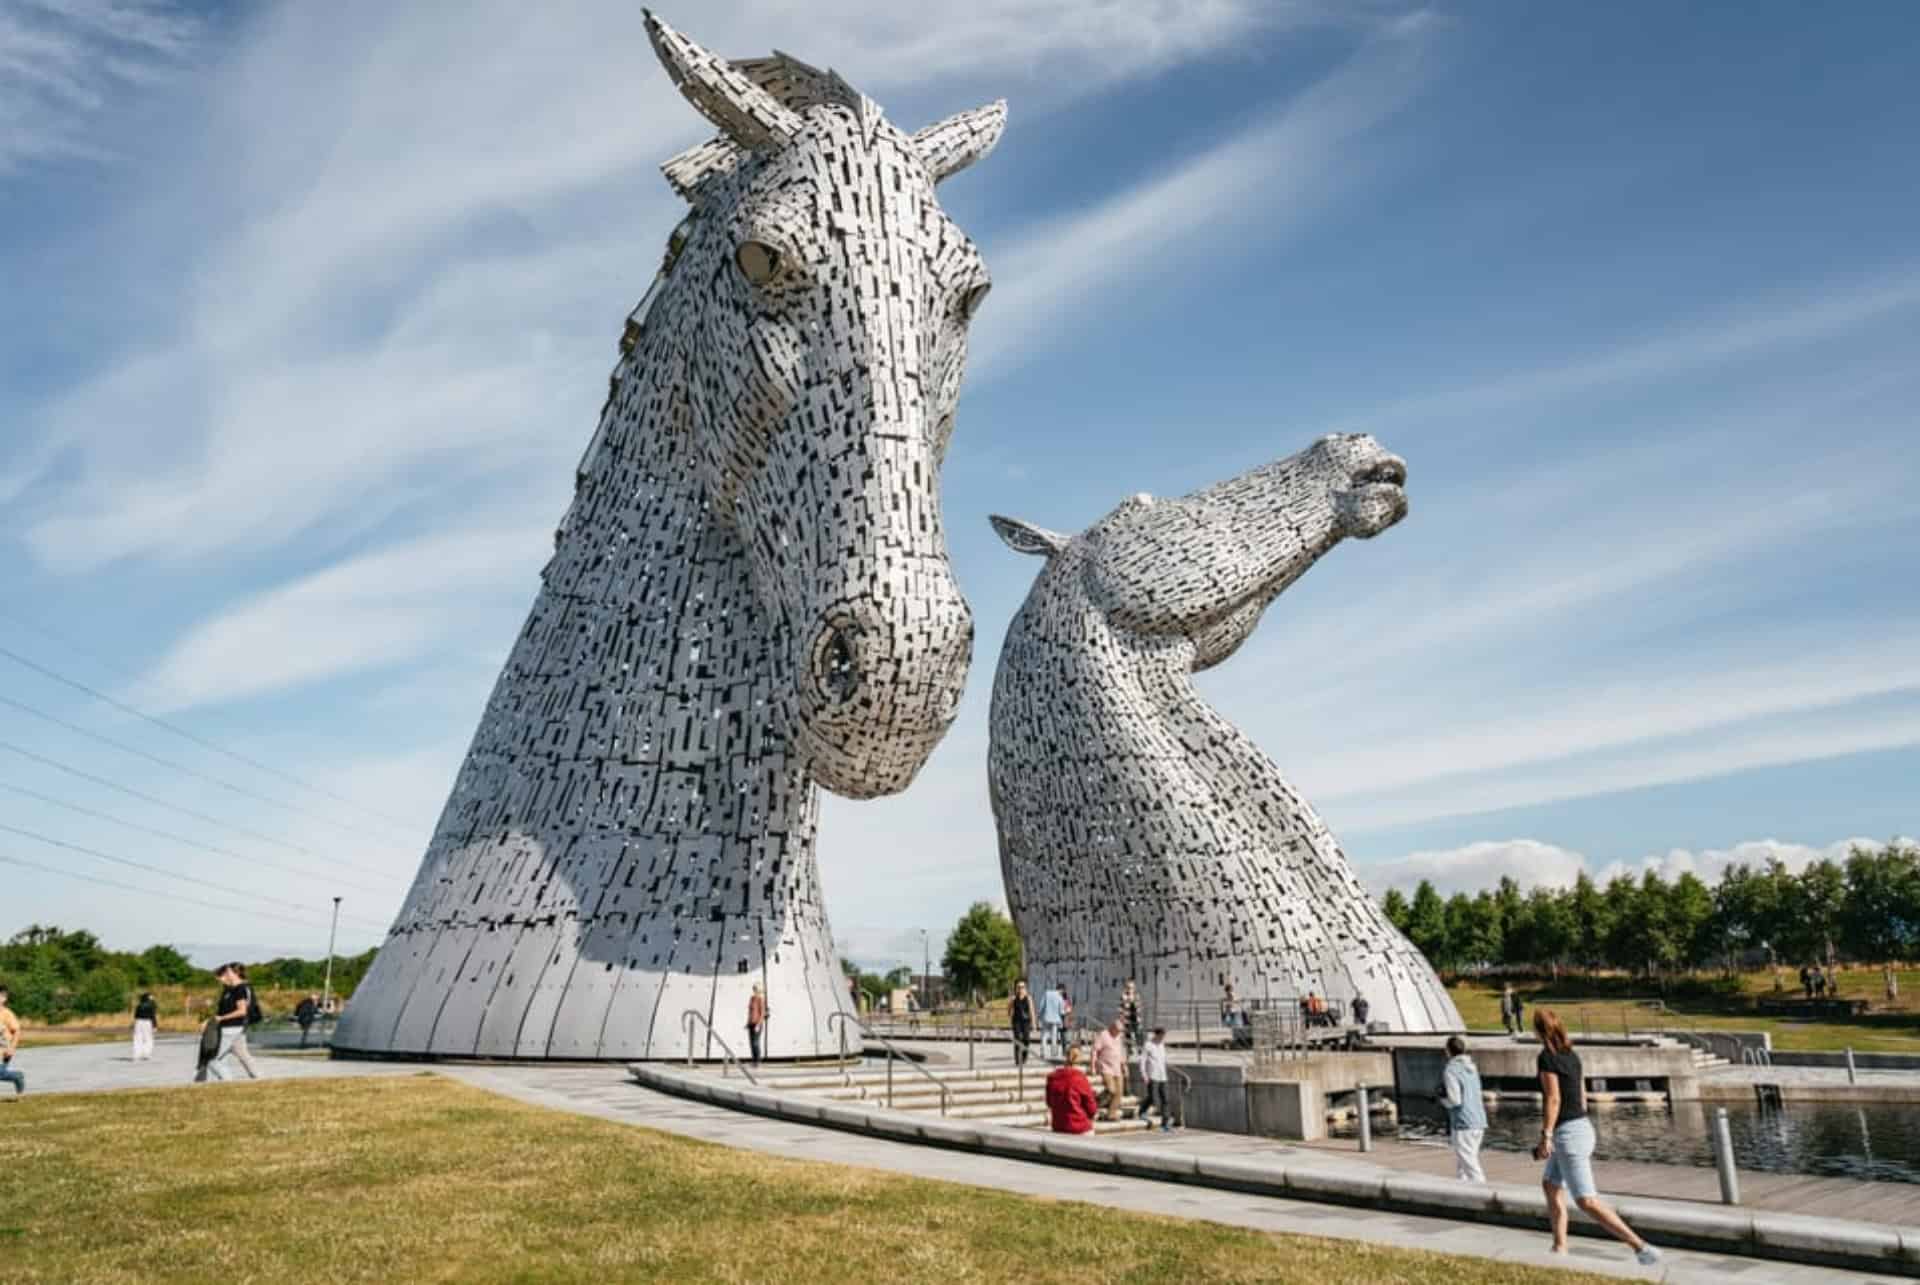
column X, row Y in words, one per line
column 308, row 316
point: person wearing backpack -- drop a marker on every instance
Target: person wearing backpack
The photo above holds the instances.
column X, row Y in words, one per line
column 231, row 1015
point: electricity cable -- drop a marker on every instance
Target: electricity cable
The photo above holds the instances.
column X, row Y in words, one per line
column 152, row 869
column 154, row 892
column 186, row 811
column 196, row 738
column 124, row 748
column 191, row 843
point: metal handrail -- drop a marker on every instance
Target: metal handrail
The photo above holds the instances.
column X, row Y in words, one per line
column 893, row 1055
column 1186, row 1084
column 686, row 1020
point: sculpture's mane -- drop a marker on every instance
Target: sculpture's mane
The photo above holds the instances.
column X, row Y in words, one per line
column 797, row 86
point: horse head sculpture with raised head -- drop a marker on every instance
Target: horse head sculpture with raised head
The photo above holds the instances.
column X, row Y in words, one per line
column 1142, row 835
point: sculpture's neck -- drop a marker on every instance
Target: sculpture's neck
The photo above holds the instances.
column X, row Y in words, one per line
column 689, row 660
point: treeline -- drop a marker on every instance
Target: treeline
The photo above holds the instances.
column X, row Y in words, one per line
column 53, row 974
column 1866, row 909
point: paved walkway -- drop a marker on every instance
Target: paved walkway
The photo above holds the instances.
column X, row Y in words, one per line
column 605, row 1092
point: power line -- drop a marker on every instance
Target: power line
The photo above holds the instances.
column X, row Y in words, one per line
column 197, row 739
column 151, row 869
column 182, row 839
column 135, row 750
column 58, row 766
column 152, row 892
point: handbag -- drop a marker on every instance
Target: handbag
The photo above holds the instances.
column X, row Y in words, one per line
column 209, row 1041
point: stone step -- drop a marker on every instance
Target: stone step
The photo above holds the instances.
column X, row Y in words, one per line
column 994, row 1110
column 926, row 1093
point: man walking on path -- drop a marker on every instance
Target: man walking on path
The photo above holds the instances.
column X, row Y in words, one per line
column 1509, row 1017
column 1053, row 1012
column 1110, row 1063
column 146, row 1016
column 1153, row 1073
column 1070, row 1102
column 230, row 1015
column 1466, row 1110
column 10, row 1044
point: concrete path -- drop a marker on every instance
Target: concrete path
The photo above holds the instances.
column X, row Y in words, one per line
column 607, row 1094
column 92, row 1068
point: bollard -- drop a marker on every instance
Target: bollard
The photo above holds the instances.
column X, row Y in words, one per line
column 1366, row 1121
column 1852, row 1078
column 1723, row 1159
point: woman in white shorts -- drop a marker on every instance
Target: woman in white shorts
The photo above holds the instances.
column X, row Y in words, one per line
column 1566, row 1142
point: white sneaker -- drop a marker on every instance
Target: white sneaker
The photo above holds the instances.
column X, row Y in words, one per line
column 1648, row 1256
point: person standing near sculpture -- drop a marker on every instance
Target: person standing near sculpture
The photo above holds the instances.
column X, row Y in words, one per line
column 146, row 1019
column 1509, row 1009
column 1130, row 1013
column 1020, row 1017
column 1153, row 1076
column 1110, row 1064
column 756, row 1021
column 9, row 1045
column 1053, row 1012
column 1360, row 1009
column 1461, row 1094
column 1567, row 1141
column 305, row 1014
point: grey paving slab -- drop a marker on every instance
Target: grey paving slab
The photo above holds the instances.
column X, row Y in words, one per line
column 94, row 1068
column 585, row 1091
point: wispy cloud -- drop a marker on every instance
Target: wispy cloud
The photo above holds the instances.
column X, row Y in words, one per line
column 370, row 612
column 1760, row 326
column 62, row 63
column 1277, row 174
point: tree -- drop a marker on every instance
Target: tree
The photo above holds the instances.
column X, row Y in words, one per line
column 163, row 966
column 1394, row 907
column 1619, row 942
column 1427, row 923
column 983, row 952
column 1880, row 915
column 1590, row 922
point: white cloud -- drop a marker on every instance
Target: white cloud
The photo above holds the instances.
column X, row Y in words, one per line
column 1532, row 863
column 1529, row 862
column 63, row 63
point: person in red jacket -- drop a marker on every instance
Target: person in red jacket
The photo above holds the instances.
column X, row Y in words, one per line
column 1070, row 1100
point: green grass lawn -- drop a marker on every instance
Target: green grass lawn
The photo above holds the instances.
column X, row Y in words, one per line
column 424, row 1179
column 1888, row 1029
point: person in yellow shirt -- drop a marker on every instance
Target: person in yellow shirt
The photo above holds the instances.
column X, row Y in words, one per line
column 10, row 1044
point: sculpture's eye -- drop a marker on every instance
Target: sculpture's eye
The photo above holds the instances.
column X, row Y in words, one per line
column 757, row 260
column 970, row 301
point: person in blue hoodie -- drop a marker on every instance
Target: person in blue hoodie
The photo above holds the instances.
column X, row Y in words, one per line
column 1466, row 1110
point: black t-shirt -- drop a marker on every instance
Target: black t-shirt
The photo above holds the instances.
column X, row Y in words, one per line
column 146, row 1011
column 230, row 997
column 1566, row 1069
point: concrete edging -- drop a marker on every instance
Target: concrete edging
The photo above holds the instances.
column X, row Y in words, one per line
column 1826, row 1242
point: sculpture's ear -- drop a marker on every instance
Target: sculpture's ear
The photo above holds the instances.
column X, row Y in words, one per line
column 951, row 145
column 745, row 112
column 1023, row 537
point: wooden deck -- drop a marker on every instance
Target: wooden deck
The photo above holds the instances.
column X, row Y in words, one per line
column 1897, row 1203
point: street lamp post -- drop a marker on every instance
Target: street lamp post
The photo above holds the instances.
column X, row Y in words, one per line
column 926, row 967
column 326, row 994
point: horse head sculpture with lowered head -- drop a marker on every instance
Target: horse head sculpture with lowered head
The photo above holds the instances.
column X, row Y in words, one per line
column 1142, row 835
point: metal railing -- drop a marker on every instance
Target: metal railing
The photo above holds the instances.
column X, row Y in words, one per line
column 1754, row 1055
column 687, row 1020
column 893, row 1055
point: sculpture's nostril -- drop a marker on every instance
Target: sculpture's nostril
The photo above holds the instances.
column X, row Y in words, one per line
column 837, row 675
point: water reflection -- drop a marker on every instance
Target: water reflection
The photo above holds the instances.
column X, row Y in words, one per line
column 1875, row 1143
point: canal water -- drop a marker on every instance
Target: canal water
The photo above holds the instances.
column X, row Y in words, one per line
column 1874, row 1143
